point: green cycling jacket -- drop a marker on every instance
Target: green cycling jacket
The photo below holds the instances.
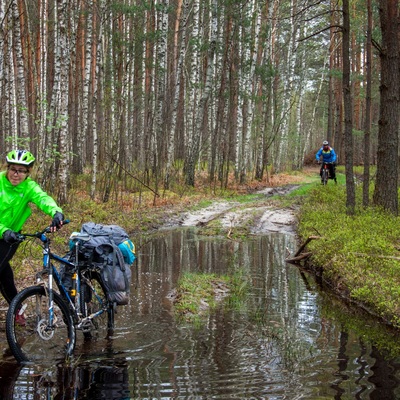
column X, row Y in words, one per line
column 14, row 203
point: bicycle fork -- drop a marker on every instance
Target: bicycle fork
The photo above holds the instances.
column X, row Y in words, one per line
column 46, row 326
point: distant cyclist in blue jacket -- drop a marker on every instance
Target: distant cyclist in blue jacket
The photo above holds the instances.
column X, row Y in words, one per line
column 328, row 156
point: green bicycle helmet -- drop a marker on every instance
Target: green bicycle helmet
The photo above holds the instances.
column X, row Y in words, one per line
column 21, row 157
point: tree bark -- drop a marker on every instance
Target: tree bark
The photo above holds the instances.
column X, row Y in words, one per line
column 193, row 94
column 367, row 128
column 63, row 62
column 177, row 90
column 348, row 121
column 385, row 194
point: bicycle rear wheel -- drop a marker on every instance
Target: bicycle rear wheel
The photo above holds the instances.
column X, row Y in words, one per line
column 97, row 311
column 28, row 334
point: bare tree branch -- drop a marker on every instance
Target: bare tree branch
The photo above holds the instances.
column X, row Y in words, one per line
column 340, row 28
column 134, row 177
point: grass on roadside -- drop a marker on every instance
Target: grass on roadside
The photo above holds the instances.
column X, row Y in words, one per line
column 360, row 254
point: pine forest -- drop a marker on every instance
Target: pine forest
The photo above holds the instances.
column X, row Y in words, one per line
column 164, row 91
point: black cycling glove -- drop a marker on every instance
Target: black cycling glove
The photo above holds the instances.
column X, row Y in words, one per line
column 57, row 219
column 10, row 236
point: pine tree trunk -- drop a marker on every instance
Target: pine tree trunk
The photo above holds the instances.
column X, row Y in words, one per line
column 95, row 58
column 385, row 194
column 367, row 128
column 348, row 121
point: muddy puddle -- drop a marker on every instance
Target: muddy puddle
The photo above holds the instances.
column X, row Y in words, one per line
column 286, row 340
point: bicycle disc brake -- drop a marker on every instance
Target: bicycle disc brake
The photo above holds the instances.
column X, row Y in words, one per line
column 44, row 331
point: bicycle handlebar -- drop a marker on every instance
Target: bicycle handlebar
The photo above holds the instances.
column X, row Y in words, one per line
column 23, row 236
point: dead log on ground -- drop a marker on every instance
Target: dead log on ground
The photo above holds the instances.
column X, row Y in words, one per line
column 299, row 255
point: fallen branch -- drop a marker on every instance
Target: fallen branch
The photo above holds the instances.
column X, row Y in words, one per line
column 308, row 240
column 299, row 255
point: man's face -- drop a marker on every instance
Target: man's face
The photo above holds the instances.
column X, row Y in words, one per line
column 326, row 147
column 17, row 173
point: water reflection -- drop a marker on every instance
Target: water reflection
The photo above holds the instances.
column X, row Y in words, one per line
column 104, row 380
column 288, row 340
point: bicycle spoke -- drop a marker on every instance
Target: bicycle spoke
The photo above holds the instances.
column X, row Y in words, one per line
column 94, row 302
column 29, row 333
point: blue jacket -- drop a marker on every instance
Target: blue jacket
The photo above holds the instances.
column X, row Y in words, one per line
column 328, row 156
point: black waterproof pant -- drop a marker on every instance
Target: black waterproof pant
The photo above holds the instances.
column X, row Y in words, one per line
column 7, row 283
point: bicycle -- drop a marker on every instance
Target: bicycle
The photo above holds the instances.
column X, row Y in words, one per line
column 51, row 318
column 325, row 175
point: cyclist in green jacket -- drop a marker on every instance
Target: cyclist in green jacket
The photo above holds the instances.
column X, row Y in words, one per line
column 17, row 190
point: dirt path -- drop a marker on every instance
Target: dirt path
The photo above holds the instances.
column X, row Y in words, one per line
column 260, row 216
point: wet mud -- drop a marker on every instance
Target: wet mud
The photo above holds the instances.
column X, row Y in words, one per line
column 258, row 216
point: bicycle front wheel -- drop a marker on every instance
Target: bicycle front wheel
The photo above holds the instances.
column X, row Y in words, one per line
column 29, row 334
column 324, row 176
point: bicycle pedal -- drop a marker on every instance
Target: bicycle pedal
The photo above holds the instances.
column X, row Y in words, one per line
column 86, row 325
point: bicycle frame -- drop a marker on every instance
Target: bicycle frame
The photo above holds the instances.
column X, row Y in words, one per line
column 53, row 276
column 75, row 305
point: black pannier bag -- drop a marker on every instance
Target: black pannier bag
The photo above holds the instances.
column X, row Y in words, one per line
column 109, row 250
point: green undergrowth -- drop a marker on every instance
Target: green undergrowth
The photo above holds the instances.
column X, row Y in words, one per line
column 199, row 293
column 360, row 254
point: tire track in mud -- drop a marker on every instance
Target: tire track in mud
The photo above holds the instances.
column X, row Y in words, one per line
column 257, row 216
